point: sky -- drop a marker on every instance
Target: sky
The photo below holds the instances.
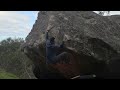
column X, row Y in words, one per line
column 113, row 12
column 16, row 24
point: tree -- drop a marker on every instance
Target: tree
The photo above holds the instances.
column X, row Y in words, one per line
column 13, row 60
column 102, row 13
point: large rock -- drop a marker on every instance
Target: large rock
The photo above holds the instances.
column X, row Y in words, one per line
column 92, row 39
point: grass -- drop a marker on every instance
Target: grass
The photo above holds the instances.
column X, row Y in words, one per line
column 6, row 75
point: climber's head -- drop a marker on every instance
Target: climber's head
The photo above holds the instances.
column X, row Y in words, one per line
column 52, row 40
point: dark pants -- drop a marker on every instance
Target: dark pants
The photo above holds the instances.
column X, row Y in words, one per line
column 64, row 58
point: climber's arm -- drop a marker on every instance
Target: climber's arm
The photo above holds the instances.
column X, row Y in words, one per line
column 47, row 35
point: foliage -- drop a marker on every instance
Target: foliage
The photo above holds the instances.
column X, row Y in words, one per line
column 13, row 60
column 102, row 13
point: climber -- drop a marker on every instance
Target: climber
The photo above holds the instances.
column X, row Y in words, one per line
column 52, row 49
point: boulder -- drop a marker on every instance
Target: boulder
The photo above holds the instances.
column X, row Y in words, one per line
column 93, row 40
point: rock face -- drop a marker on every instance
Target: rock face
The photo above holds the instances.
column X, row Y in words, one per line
column 94, row 40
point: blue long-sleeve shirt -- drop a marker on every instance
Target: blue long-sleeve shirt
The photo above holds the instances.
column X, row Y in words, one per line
column 51, row 49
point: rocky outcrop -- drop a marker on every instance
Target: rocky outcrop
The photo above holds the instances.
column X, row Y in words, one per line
column 92, row 39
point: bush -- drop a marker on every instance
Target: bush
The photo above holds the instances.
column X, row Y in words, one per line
column 13, row 60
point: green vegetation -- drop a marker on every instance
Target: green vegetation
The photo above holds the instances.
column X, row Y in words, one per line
column 6, row 75
column 14, row 63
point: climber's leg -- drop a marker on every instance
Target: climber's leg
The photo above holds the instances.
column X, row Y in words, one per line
column 63, row 58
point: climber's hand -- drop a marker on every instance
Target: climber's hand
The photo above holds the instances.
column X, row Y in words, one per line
column 48, row 29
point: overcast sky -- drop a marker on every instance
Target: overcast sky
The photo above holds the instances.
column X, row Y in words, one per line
column 19, row 23
column 16, row 23
column 114, row 12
